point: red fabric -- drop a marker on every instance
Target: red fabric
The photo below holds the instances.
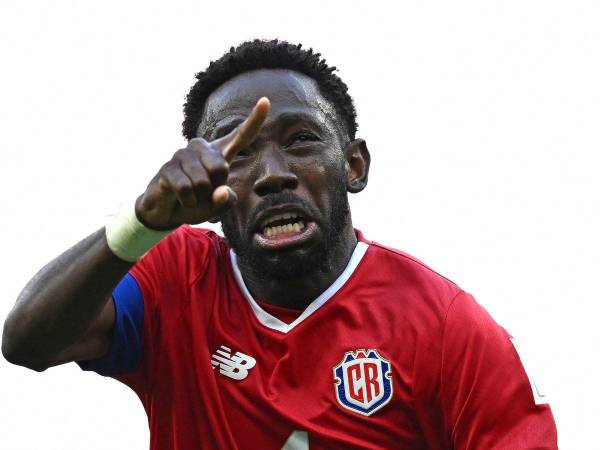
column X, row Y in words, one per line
column 457, row 380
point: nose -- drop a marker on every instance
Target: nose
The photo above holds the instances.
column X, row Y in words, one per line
column 275, row 175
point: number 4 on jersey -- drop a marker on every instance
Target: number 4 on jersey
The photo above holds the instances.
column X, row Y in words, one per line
column 298, row 440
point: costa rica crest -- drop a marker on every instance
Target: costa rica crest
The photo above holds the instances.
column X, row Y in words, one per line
column 363, row 381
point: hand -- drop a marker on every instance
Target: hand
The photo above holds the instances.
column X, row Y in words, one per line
column 191, row 188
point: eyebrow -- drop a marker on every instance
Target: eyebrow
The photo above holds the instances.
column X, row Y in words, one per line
column 224, row 126
column 289, row 118
column 284, row 119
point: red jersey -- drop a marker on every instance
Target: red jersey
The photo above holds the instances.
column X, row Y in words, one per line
column 391, row 356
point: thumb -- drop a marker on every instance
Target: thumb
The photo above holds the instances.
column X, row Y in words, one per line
column 224, row 196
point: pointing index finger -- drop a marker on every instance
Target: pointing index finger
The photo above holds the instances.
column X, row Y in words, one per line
column 245, row 134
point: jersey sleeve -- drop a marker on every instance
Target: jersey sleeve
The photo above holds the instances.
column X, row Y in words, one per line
column 487, row 398
column 125, row 351
column 133, row 338
column 145, row 300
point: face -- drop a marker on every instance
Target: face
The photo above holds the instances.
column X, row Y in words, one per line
column 292, row 182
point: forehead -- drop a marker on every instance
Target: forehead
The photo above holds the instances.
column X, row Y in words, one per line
column 288, row 91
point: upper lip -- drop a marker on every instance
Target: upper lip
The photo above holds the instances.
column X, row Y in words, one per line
column 265, row 216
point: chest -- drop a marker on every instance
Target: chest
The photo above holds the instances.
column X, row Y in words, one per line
column 341, row 378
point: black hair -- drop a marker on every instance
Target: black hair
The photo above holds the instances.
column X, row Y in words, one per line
column 273, row 54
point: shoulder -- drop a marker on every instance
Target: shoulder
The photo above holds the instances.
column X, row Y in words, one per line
column 187, row 237
column 430, row 297
column 190, row 241
column 418, row 283
column 185, row 252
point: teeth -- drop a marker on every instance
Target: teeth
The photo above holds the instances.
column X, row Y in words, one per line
column 280, row 229
column 285, row 216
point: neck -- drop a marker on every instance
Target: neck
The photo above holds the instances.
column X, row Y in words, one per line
column 299, row 291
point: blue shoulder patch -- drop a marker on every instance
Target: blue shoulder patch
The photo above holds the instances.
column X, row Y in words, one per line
column 126, row 345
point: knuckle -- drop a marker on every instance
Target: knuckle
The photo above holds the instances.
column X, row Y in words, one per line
column 216, row 165
column 167, row 169
column 163, row 183
column 197, row 140
column 196, row 172
column 197, row 144
column 194, row 164
column 176, row 179
column 179, row 154
column 219, row 170
column 183, row 186
column 203, row 186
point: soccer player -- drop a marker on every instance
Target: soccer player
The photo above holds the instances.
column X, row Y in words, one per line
column 295, row 331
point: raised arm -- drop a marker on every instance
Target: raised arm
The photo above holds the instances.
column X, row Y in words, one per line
column 64, row 313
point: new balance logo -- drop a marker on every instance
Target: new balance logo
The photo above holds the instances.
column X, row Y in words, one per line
column 235, row 365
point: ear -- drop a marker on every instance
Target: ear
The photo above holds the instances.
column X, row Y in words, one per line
column 358, row 161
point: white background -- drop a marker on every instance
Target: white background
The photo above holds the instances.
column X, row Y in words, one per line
column 482, row 118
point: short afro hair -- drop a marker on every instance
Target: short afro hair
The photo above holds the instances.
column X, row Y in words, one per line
column 263, row 54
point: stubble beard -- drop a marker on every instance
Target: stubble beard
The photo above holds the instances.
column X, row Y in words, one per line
column 292, row 263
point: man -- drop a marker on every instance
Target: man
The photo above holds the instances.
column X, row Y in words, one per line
column 295, row 331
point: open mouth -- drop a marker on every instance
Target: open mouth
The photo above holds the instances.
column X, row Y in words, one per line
column 281, row 228
column 283, row 224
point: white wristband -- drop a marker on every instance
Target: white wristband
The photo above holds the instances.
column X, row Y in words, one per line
column 130, row 239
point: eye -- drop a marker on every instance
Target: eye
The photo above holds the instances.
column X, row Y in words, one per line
column 242, row 155
column 302, row 137
column 222, row 132
column 225, row 129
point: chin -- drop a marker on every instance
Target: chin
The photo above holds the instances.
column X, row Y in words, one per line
column 280, row 263
column 289, row 263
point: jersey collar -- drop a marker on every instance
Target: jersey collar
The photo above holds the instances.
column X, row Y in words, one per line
column 273, row 322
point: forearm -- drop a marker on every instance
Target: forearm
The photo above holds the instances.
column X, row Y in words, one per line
column 61, row 301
